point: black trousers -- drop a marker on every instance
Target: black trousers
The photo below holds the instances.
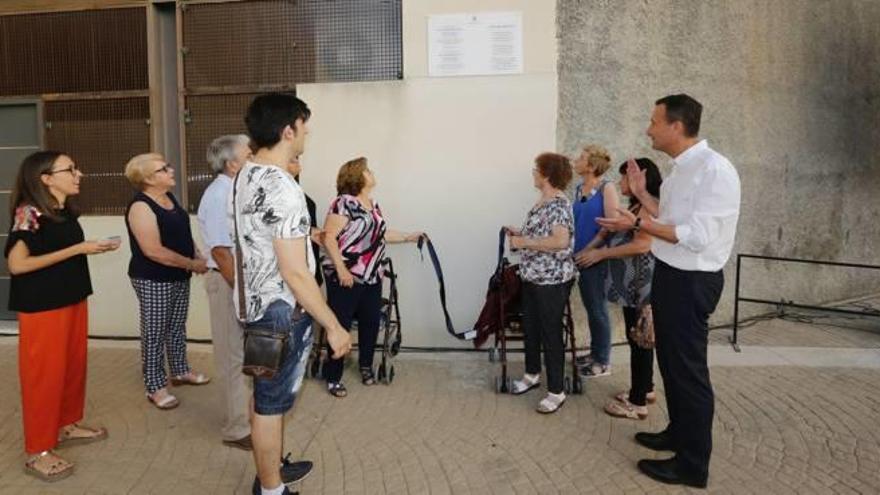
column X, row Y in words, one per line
column 641, row 362
column 364, row 302
column 543, row 307
column 682, row 302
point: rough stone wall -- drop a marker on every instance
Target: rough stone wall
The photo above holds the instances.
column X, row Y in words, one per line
column 791, row 95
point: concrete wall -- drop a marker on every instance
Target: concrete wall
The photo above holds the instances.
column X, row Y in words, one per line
column 452, row 156
column 791, row 94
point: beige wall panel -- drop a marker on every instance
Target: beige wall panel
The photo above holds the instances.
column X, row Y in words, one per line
column 453, row 157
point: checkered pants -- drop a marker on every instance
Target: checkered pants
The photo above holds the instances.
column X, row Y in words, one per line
column 163, row 310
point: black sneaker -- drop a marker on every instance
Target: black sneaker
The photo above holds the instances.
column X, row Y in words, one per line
column 291, row 472
column 584, row 360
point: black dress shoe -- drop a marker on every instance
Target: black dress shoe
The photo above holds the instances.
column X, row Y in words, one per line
column 667, row 471
column 655, row 441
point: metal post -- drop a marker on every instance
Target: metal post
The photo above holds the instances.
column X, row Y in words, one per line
column 733, row 341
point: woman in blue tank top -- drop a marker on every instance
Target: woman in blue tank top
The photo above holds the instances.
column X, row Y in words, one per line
column 594, row 197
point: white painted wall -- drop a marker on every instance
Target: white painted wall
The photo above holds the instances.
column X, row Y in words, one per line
column 453, row 157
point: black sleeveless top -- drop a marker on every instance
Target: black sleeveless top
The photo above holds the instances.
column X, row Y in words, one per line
column 175, row 234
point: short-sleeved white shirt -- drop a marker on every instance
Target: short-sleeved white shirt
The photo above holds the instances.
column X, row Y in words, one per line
column 269, row 205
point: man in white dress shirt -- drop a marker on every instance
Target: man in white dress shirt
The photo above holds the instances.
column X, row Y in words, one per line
column 694, row 224
column 226, row 155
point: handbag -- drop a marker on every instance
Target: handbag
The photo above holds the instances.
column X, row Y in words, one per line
column 264, row 348
column 642, row 333
column 264, row 351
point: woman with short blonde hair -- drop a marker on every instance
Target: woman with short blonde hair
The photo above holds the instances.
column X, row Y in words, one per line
column 163, row 257
column 594, row 197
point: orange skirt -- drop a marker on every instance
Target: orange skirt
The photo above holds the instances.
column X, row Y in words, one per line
column 52, row 368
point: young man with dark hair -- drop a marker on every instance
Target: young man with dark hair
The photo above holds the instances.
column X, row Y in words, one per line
column 694, row 223
column 275, row 283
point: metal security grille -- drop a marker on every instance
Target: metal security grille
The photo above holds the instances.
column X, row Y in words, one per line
column 234, row 50
column 70, row 52
column 209, row 117
column 101, row 135
column 270, row 43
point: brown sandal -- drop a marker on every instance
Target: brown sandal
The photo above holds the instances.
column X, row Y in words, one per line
column 628, row 410
column 68, row 435
column 51, row 470
column 623, row 397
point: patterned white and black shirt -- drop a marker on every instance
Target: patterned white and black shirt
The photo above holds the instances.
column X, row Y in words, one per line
column 546, row 268
column 268, row 205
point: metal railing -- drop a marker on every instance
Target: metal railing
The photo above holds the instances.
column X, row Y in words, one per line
column 782, row 303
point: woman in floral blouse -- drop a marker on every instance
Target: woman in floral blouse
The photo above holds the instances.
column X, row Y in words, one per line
column 547, row 271
column 355, row 234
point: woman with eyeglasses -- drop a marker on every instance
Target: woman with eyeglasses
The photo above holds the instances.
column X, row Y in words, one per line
column 163, row 257
column 547, row 272
column 594, row 197
column 49, row 283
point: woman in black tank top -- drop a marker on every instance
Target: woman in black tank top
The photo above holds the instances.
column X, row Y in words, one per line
column 163, row 256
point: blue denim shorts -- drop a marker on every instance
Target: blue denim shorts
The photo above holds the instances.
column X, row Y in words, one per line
column 276, row 395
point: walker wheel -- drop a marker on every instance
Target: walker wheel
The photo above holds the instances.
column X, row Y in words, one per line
column 503, row 386
column 578, row 386
column 398, row 339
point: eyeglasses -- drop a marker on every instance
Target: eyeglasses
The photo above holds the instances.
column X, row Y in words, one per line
column 165, row 169
column 72, row 169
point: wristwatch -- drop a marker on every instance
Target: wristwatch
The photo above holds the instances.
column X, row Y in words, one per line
column 638, row 224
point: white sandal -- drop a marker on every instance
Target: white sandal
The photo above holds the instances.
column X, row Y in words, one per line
column 525, row 384
column 551, row 403
column 163, row 400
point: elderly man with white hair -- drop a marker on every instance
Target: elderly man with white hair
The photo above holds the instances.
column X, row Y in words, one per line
column 226, row 155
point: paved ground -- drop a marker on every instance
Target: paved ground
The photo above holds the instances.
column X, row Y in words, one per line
column 782, row 426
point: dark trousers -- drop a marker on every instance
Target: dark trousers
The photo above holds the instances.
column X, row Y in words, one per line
column 361, row 301
column 641, row 362
column 543, row 307
column 682, row 302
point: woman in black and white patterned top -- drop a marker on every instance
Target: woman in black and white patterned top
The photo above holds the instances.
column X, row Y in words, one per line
column 547, row 270
column 628, row 283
